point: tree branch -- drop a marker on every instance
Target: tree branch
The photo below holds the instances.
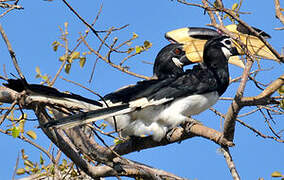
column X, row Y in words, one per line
column 230, row 163
column 264, row 97
column 112, row 64
column 12, row 53
column 279, row 15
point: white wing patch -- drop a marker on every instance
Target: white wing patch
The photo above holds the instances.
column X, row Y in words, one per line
column 144, row 102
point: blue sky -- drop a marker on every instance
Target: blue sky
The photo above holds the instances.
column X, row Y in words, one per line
column 33, row 29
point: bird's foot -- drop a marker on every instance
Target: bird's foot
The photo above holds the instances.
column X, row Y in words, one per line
column 170, row 134
column 187, row 125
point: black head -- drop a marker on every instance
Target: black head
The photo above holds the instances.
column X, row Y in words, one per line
column 218, row 50
column 170, row 61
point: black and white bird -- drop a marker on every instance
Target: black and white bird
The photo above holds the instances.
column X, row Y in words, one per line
column 153, row 107
column 170, row 61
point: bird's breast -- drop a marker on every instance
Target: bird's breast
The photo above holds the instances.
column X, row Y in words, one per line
column 192, row 105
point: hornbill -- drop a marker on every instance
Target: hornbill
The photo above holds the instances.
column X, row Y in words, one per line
column 194, row 39
column 153, row 107
column 170, row 61
column 172, row 58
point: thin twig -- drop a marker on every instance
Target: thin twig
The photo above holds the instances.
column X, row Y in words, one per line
column 32, row 143
column 112, row 64
column 16, row 166
column 258, row 132
column 64, row 37
column 269, row 125
column 8, row 111
column 99, row 48
column 279, row 15
column 230, row 163
column 12, row 53
column 81, row 19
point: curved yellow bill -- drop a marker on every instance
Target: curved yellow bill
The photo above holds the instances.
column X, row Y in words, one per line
column 179, row 35
column 254, row 45
column 194, row 52
column 193, row 45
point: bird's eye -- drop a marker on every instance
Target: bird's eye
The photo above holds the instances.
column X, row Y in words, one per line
column 228, row 42
column 177, row 51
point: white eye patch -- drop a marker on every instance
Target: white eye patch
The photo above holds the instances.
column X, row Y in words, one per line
column 227, row 43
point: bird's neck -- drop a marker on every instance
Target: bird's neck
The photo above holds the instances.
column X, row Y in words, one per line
column 220, row 71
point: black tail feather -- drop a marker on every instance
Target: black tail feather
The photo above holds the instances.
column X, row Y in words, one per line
column 20, row 85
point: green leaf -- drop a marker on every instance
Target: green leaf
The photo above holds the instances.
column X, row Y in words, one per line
column 64, row 162
column 216, row 4
column 38, row 70
column 134, row 36
column 24, row 156
column 281, row 90
column 138, row 49
column 15, row 132
column 276, row 174
column 66, row 24
column 67, row 68
column 117, row 141
column 235, row 6
column 70, row 60
column 82, row 61
column 75, row 55
column 62, row 58
column 27, row 168
column 74, row 173
column 103, row 126
column 55, row 47
column 31, row 134
column 45, row 77
column 20, row 171
column 282, row 104
column 41, row 160
column 147, row 44
column 29, row 163
column 21, row 126
column 54, row 43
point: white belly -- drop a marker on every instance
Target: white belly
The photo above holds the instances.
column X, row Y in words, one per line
column 157, row 120
column 191, row 105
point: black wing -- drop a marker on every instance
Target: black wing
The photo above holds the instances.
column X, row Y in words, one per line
column 195, row 81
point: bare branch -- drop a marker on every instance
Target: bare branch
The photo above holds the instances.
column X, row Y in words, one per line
column 12, row 53
column 112, row 64
column 279, row 15
column 230, row 163
column 263, row 97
